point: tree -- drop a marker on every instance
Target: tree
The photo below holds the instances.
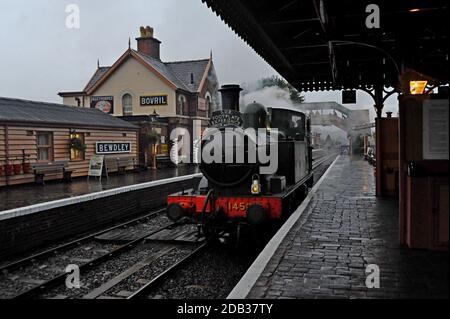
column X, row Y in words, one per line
column 150, row 137
column 274, row 80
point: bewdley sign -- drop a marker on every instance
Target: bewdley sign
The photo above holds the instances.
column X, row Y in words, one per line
column 112, row 147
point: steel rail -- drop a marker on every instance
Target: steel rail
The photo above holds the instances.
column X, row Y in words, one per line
column 90, row 264
column 29, row 259
column 156, row 280
column 322, row 160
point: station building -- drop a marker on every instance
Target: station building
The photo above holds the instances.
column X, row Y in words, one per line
column 43, row 133
column 142, row 89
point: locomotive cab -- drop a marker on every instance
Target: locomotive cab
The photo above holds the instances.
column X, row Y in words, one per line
column 292, row 124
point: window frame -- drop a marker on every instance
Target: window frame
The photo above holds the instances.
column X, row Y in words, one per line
column 130, row 113
column 50, row 147
column 208, row 106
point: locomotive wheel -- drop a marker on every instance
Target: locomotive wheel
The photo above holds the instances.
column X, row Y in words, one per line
column 208, row 232
column 303, row 191
column 211, row 226
column 310, row 182
column 247, row 236
column 238, row 236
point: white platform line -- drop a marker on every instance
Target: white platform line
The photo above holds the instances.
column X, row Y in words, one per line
column 243, row 287
column 21, row 211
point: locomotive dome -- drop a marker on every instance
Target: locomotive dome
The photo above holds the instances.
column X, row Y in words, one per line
column 254, row 108
column 255, row 115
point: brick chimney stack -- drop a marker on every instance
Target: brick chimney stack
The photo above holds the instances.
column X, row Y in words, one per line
column 147, row 44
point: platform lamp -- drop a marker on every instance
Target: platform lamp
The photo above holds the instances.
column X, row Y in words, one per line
column 417, row 87
column 414, row 83
column 72, row 133
column 153, row 118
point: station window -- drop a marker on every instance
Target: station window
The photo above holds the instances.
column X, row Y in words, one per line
column 77, row 154
column 208, row 106
column 44, row 146
column 127, row 104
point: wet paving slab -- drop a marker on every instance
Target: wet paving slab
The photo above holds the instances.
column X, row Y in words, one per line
column 344, row 229
column 25, row 195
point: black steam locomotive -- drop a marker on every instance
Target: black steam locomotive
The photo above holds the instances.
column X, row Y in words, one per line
column 244, row 183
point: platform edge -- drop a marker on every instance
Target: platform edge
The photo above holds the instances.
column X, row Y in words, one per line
column 26, row 210
column 244, row 286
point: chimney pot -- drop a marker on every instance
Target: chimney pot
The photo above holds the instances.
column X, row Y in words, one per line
column 149, row 32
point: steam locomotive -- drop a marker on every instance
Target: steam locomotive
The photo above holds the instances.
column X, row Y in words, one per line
column 236, row 189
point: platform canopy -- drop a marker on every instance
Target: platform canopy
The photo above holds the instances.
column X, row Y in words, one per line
column 326, row 44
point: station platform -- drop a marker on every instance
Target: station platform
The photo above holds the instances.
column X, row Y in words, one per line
column 323, row 250
column 30, row 194
column 33, row 216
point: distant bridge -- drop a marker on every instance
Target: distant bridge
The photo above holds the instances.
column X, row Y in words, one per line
column 348, row 120
column 314, row 106
column 363, row 126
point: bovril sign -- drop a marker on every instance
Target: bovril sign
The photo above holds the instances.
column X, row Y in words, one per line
column 153, row 100
column 112, row 147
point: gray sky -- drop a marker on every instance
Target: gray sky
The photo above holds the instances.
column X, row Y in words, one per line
column 41, row 57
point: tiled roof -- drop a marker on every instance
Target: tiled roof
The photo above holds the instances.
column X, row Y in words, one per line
column 97, row 75
column 179, row 73
column 24, row 111
column 184, row 69
column 164, row 70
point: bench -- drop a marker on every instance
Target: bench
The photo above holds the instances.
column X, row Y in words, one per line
column 119, row 164
column 59, row 167
column 163, row 160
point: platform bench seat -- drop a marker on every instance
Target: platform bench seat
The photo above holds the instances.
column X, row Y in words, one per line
column 119, row 164
column 59, row 167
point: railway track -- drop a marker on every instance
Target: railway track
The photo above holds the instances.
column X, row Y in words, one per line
column 213, row 274
column 321, row 160
column 28, row 277
column 155, row 251
column 32, row 258
column 144, row 290
column 162, row 287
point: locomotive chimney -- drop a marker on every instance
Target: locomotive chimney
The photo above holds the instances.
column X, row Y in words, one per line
column 230, row 96
column 147, row 44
